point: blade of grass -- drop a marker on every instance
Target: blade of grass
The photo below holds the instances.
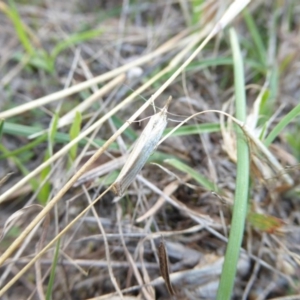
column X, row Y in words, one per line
column 129, row 132
column 258, row 42
column 268, row 106
column 44, row 192
column 74, row 132
column 225, row 61
column 194, row 129
column 196, row 13
column 12, row 13
column 294, row 143
column 33, row 182
column 73, row 39
column 42, row 60
column 60, row 137
column 1, row 128
column 52, row 274
column 209, row 62
column 53, row 129
column 282, row 124
column 242, row 180
column 203, row 181
column 38, row 58
column 25, row 148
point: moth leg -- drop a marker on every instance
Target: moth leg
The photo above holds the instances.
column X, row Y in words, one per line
column 152, row 103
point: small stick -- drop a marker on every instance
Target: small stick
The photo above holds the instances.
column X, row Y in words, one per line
column 143, row 148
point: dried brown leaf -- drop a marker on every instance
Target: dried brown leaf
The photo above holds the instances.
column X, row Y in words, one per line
column 164, row 266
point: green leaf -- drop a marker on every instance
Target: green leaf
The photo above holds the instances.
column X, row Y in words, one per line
column 44, row 192
column 209, row 62
column 53, row 128
column 264, row 222
column 53, row 269
column 1, row 128
column 25, row 148
column 203, row 181
column 63, row 138
column 258, row 40
column 242, row 180
column 14, row 16
column 75, row 39
column 42, row 60
column 196, row 12
column 282, row 124
column 294, row 143
column 33, row 182
column 74, row 132
column 194, row 129
column 128, row 132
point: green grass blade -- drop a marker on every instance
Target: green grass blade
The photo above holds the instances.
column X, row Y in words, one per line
column 74, row 132
column 14, row 16
column 267, row 107
column 52, row 274
column 128, row 132
column 242, row 181
column 196, row 12
column 224, row 61
column 33, row 182
column 60, row 137
column 42, row 60
column 25, row 148
column 282, row 124
column 203, row 181
column 258, row 41
column 53, row 128
column 20, row 130
column 75, row 39
column 209, row 62
column 194, row 129
column 159, row 157
column 1, row 128
column 45, row 190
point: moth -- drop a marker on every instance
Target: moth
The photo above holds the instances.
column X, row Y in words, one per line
column 142, row 150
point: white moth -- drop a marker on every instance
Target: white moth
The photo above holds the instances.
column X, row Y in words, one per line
column 142, row 150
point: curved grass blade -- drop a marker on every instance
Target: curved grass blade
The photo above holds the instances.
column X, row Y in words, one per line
column 203, row 181
column 242, row 181
column 282, row 124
